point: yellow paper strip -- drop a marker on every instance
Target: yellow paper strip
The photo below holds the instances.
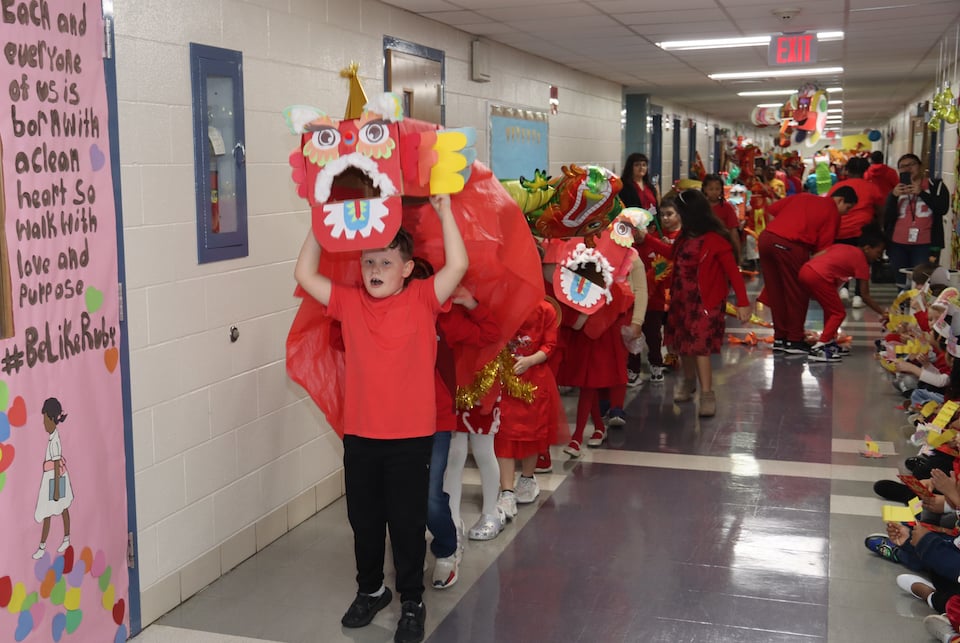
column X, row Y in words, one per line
column 897, row 514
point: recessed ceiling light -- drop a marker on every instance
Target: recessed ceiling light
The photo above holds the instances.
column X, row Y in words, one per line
column 834, row 102
column 777, row 73
column 726, row 43
column 770, row 105
column 782, row 92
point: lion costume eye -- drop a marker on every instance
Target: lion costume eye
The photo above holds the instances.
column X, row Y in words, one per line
column 374, row 138
column 323, row 146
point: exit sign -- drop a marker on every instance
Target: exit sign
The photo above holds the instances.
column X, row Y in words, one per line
column 792, row 49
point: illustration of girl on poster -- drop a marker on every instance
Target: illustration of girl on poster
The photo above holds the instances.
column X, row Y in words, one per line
column 56, row 493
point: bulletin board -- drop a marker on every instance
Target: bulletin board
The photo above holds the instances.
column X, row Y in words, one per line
column 519, row 139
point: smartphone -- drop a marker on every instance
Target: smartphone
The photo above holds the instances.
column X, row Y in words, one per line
column 906, row 178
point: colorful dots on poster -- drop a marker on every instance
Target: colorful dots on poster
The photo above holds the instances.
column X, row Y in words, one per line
column 119, row 611
column 3, row 480
column 99, row 564
column 93, row 298
column 6, row 591
column 73, row 620
column 86, row 556
column 58, row 625
column 68, row 560
column 16, row 599
column 107, row 598
column 59, row 592
column 24, row 626
column 105, row 579
column 29, row 601
column 75, row 578
column 4, row 427
column 41, row 566
column 18, row 412
column 110, row 358
column 4, row 394
column 49, row 582
column 121, row 636
column 6, row 456
column 72, row 599
column 97, row 158
column 37, row 611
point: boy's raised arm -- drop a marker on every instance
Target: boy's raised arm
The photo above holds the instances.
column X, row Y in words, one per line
column 317, row 286
column 455, row 253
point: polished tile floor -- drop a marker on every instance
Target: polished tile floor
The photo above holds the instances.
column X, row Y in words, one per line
column 746, row 527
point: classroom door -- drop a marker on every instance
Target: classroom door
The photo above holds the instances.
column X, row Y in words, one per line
column 63, row 425
column 419, row 82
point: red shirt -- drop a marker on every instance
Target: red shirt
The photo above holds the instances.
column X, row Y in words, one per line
column 869, row 199
column 805, row 218
column 883, row 176
column 839, row 263
column 390, row 360
column 726, row 213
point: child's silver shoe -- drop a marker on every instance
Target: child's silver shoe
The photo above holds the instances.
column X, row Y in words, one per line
column 488, row 526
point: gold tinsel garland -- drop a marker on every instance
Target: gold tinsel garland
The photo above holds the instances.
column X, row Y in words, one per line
column 500, row 367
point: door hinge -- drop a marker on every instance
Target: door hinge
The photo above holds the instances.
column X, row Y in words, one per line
column 131, row 554
column 108, row 36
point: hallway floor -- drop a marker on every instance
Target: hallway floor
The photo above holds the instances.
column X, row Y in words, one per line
column 745, row 527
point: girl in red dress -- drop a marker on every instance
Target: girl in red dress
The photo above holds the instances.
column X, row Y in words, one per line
column 704, row 269
column 529, row 407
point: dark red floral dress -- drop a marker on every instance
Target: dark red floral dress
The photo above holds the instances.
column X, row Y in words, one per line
column 692, row 330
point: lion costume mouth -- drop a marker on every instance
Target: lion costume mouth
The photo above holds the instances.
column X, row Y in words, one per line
column 585, row 277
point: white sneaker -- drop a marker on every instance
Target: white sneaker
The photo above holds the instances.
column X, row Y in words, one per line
column 634, row 379
column 527, row 490
column 508, row 504
column 446, row 571
column 37, row 555
column 858, row 302
column 656, row 374
column 907, row 581
column 845, row 293
column 63, row 546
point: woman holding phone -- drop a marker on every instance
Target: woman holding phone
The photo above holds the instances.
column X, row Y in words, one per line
column 913, row 218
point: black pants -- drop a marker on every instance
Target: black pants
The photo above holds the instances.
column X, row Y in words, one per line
column 387, row 483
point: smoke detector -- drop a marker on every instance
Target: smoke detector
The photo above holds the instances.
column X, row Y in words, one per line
column 786, row 15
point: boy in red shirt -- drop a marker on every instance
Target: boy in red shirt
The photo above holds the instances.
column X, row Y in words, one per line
column 389, row 333
column 821, row 275
column 800, row 225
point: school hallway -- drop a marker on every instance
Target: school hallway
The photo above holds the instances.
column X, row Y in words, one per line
column 744, row 527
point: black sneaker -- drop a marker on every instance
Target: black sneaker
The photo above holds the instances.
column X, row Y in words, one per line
column 410, row 628
column 779, row 345
column 843, row 350
column 364, row 607
column 796, row 348
column 828, row 352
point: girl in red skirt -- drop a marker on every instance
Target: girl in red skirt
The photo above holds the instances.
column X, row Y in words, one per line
column 529, row 408
column 704, row 269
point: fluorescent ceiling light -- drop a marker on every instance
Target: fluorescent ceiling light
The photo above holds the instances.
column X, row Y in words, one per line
column 725, row 43
column 834, row 102
column 835, row 110
column 777, row 73
column 782, row 92
column 770, row 105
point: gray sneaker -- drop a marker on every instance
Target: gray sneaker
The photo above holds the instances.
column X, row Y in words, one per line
column 938, row 626
column 508, row 503
column 656, row 374
column 527, row 490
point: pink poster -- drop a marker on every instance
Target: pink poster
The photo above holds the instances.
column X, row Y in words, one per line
column 63, row 517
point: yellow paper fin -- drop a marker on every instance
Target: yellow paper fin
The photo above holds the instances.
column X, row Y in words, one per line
column 915, row 505
column 935, row 439
column 897, row 514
